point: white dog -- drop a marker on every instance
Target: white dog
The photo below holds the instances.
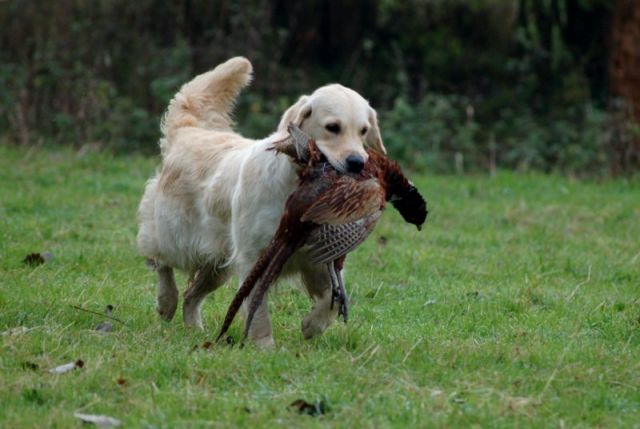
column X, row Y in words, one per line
column 217, row 199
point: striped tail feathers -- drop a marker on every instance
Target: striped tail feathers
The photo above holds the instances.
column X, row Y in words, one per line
column 248, row 284
column 270, row 275
column 265, row 271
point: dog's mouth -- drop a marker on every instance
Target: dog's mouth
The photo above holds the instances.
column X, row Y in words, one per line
column 297, row 147
column 339, row 166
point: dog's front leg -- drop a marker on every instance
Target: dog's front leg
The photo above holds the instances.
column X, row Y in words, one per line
column 318, row 283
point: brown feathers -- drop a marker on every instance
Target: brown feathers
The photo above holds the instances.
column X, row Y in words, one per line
column 330, row 212
column 347, row 200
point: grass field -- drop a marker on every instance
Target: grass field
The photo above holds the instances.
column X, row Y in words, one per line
column 518, row 305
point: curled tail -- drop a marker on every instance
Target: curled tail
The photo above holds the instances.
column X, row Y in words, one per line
column 208, row 100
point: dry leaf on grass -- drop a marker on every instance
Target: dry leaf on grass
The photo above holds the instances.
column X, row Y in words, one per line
column 104, row 327
column 303, row 407
column 35, row 258
column 16, row 331
column 30, row 365
column 520, row 403
column 98, row 420
column 67, row 367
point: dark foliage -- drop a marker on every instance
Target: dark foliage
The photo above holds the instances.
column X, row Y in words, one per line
column 466, row 85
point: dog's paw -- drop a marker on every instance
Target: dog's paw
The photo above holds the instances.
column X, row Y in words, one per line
column 313, row 326
column 264, row 342
column 191, row 314
column 166, row 306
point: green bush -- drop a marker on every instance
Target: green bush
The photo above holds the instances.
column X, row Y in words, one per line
column 459, row 85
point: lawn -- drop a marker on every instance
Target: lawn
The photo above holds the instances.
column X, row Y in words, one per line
column 517, row 305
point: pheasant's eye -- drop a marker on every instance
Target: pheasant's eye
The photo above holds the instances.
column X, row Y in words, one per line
column 333, row 128
column 364, row 130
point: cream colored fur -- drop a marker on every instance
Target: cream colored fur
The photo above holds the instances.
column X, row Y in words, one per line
column 217, row 199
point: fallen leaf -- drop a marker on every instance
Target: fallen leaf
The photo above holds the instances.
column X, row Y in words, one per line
column 303, row 407
column 98, row 420
column 16, row 331
column 33, row 259
column 516, row 403
column 67, row 367
column 104, row 327
column 435, row 392
column 30, row 365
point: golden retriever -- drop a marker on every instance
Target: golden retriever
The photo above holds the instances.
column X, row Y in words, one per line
column 216, row 201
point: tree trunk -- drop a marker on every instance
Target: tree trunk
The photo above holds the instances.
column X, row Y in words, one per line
column 624, row 77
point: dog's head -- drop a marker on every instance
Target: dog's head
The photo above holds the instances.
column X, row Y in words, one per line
column 341, row 122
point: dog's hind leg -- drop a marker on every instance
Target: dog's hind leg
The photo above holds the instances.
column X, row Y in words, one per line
column 201, row 283
column 167, row 294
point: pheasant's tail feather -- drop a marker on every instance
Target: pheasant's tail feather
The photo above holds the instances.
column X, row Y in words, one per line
column 249, row 283
column 270, row 275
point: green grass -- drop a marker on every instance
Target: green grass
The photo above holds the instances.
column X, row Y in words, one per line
column 517, row 305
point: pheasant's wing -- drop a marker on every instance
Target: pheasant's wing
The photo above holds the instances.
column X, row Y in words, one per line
column 347, row 200
column 328, row 242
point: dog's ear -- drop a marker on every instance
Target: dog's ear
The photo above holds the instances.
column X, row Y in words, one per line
column 374, row 139
column 296, row 114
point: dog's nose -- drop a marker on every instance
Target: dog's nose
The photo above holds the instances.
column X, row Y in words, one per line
column 355, row 164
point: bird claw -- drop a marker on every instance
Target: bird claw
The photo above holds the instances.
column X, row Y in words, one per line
column 338, row 294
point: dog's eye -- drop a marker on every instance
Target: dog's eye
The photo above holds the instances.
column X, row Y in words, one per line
column 333, row 128
column 364, row 130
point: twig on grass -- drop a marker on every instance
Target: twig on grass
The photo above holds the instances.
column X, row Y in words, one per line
column 406, row 356
column 554, row 373
column 579, row 285
column 98, row 314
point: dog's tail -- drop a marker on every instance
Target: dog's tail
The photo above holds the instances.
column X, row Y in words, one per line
column 208, row 100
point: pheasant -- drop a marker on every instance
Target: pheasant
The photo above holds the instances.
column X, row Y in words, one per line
column 330, row 213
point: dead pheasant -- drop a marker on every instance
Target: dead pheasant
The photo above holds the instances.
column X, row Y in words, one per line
column 330, row 213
